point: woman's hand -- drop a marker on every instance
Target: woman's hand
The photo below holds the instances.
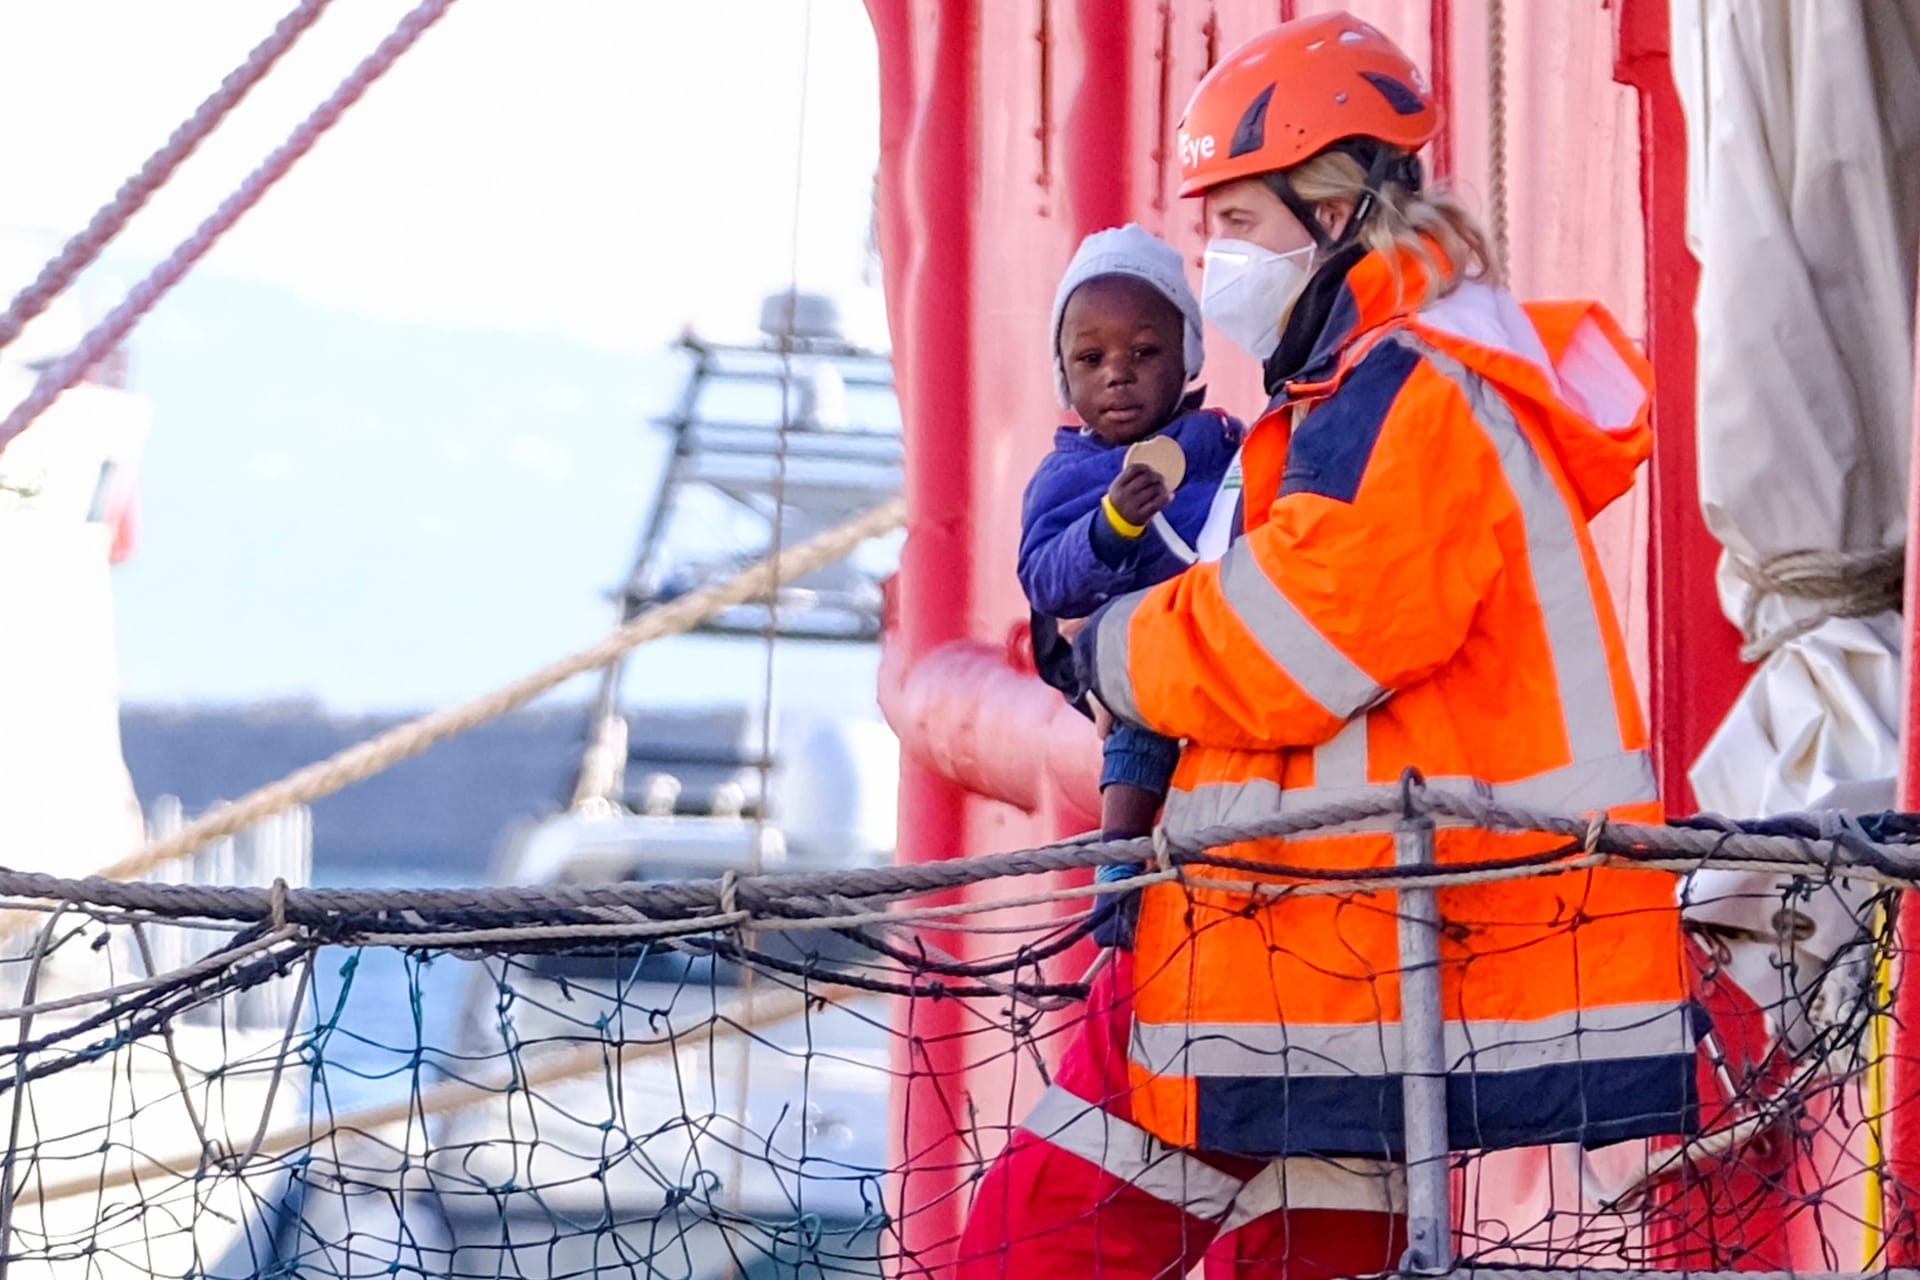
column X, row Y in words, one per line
column 1138, row 493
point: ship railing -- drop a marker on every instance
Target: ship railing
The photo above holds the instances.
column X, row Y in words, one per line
column 697, row 1077
column 700, row 1069
column 277, row 848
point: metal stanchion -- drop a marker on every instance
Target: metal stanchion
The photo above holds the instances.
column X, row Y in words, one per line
column 1423, row 1059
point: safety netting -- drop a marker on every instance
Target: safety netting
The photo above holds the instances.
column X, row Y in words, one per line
column 702, row 1077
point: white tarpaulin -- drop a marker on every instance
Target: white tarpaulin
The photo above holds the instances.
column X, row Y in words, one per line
column 1804, row 210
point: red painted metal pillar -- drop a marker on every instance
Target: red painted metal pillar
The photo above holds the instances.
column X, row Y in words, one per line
column 1098, row 125
column 1440, row 73
column 1696, row 666
column 1903, row 1068
column 928, row 82
column 1696, row 670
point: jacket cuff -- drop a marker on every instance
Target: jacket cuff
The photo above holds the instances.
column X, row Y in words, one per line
column 1114, row 549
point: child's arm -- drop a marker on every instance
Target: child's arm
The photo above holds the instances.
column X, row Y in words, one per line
column 1074, row 556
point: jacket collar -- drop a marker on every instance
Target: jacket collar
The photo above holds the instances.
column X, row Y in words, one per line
column 1354, row 295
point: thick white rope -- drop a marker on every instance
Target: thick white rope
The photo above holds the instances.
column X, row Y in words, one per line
column 1843, row 584
column 367, row 758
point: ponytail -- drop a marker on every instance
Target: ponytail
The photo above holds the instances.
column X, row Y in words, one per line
column 1404, row 221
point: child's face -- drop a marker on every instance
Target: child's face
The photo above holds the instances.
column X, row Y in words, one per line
column 1122, row 344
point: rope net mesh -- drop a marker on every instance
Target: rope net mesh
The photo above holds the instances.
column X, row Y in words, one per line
column 576, row 1081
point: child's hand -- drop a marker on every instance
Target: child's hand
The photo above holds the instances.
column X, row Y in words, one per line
column 1138, row 493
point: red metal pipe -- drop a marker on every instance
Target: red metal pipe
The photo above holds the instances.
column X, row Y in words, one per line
column 927, row 200
column 893, row 34
column 971, row 714
column 1440, row 72
column 1903, row 1068
column 1097, row 157
column 1696, row 671
column 970, row 722
column 1696, row 668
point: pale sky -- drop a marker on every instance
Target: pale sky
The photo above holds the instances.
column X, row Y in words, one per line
column 601, row 168
column 382, row 435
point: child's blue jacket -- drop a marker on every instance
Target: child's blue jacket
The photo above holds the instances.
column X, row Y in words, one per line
column 1071, row 560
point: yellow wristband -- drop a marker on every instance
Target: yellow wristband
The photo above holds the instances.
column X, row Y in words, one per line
column 1121, row 525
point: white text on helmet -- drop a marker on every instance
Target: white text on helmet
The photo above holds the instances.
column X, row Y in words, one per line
column 1194, row 150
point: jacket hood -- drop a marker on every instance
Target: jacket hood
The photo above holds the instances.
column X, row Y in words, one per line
column 1572, row 360
column 1569, row 358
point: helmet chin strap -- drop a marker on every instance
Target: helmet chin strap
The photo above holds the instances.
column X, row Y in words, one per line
column 1282, row 186
column 1383, row 165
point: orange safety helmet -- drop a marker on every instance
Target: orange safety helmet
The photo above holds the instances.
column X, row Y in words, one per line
column 1297, row 90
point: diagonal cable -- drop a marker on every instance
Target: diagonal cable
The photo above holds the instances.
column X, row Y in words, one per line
column 105, row 336
column 79, row 252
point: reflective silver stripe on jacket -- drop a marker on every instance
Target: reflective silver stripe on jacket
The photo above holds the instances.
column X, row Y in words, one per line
column 1624, row 778
column 1340, row 762
column 1292, row 642
column 1322, row 1182
column 1131, row 1154
column 1175, row 1177
column 1558, row 571
column 1114, row 683
column 1320, row 1050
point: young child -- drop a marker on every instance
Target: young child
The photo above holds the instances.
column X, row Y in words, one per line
column 1126, row 342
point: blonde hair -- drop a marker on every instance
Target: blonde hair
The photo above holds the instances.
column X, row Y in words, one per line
column 1413, row 222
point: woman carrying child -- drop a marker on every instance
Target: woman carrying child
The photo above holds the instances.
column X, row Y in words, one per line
column 1412, row 584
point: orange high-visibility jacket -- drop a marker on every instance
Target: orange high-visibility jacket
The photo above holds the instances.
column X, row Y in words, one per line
column 1415, row 585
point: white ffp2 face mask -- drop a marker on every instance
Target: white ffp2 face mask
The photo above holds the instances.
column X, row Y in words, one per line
column 1246, row 291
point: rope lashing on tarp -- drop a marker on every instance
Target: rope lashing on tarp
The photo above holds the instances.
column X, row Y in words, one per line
column 1843, row 584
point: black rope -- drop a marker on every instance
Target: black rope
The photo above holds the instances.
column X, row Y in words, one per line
column 816, row 972
column 1812, row 844
column 1026, row 956
column 1423, row 871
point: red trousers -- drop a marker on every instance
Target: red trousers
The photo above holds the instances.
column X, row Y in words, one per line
column 1082, row 1192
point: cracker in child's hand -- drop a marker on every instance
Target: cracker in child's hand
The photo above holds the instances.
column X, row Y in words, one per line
column 1163, row 454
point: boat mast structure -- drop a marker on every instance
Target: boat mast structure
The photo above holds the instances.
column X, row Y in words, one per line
column 771, row 443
